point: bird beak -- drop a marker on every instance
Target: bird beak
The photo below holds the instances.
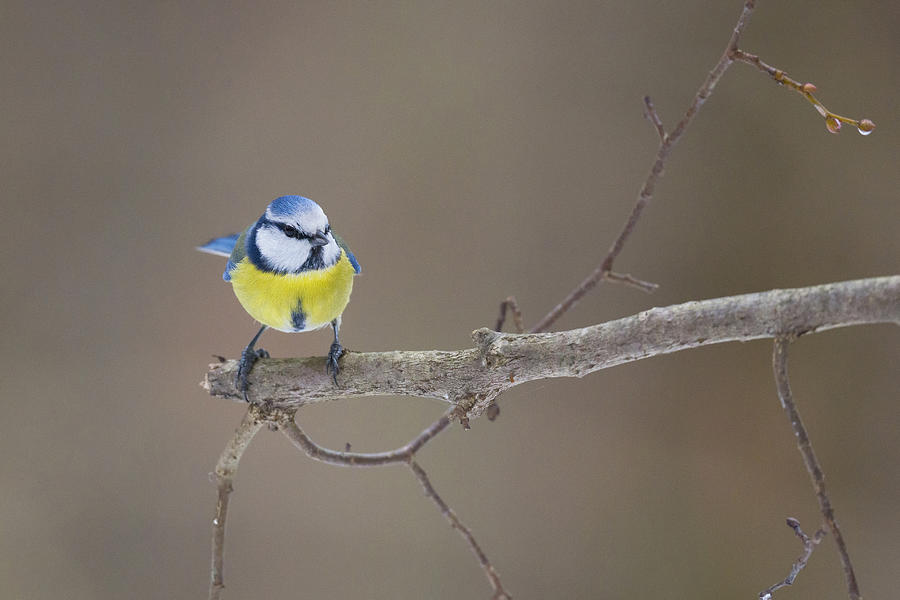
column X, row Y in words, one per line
column 320, row 239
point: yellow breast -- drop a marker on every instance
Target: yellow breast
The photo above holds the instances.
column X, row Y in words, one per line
column 300, row 302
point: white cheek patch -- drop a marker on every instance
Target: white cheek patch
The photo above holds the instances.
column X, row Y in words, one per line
column 282, row 252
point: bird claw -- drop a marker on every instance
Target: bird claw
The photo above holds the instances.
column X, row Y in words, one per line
column 248, row 358
column 331, row 363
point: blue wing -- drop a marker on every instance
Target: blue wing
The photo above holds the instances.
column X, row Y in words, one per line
column 343, row 245
column 354, row 262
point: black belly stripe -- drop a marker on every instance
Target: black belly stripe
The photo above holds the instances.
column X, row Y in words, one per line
column 298, row 319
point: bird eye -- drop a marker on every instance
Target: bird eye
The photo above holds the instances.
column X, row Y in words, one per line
column 290, row 231
column 327, row 229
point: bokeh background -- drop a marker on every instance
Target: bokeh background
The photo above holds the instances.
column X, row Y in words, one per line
column 467, row 151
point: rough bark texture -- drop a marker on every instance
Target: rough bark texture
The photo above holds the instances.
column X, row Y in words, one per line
column 474, row 377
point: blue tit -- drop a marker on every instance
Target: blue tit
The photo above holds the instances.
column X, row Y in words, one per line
column 290, row 272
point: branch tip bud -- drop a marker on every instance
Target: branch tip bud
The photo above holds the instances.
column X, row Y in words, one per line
column 866, row 126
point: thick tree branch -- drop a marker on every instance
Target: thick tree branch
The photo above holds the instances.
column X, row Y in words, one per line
column 472, row 378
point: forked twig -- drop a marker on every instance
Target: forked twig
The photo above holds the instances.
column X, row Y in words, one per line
column 809, row 544
column 283, row 419
column 288, row 426
column 224, row 476
column 668, row 140
column 489, row 571
column 666, row 143
column 782, row 383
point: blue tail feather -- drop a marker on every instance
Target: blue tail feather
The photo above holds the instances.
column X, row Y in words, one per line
column 220, row 246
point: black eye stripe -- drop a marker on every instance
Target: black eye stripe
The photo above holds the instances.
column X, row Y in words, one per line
column 292, row 232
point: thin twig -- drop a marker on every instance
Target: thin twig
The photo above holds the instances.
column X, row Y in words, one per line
column 224, row 476
column 651, row 115
column 627, row 279
column 832, row 120
column 489, row 571
column 666, row 144
column 782, row 383
column 513, row 306
column 292, row 431
column 809, row 544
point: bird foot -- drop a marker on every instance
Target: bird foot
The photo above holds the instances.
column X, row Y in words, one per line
column 331, row 363
column 248, row 358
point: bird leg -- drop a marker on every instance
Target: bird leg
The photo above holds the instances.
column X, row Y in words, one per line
column 248, row 358
column 331, row 363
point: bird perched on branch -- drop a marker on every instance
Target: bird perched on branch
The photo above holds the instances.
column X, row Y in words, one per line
column 290, row 272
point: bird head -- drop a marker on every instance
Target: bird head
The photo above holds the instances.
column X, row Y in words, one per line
column 292, row 236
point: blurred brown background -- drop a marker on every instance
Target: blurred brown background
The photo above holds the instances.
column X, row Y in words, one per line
column 467, row 151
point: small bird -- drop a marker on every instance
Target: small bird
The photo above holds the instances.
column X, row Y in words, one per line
column 290, row 272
